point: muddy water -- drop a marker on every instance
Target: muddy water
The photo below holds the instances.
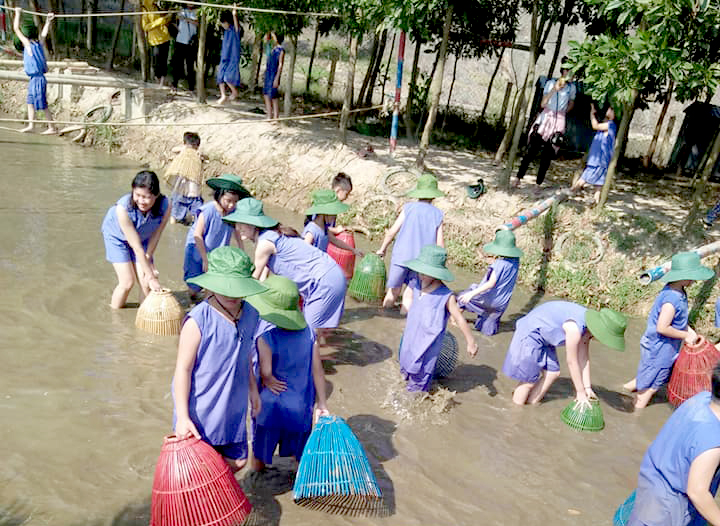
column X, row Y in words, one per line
column 85, row 400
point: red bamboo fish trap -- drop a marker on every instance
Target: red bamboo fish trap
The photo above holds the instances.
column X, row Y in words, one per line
column 691, row 372
column 194, row 486
column 342, row 257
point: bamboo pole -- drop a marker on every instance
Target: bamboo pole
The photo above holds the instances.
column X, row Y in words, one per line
column 648, row 276
column 535, row 210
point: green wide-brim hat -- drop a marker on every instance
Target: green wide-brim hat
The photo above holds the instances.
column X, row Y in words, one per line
column 431, row 262
column 608, row 327
column 279, row 304
column 686, row 265
column 326, row 202
column 426, row 188
column 503, row 245
column 250, row 212
column 229, row 274
column 229, row 182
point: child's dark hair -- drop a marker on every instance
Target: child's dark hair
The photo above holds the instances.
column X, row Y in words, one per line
column 149, row 180
column 715, row 383
column 283, row 230
column 226, row 16
column 191, row 139
column 219, row 192
column 279, row 37
column 30, row 31
column 342, row 180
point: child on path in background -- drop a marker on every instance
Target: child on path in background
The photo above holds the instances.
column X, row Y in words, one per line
column 418, row 224
column 491, row 297
column 532, row 360
column 293, row 380
column 667, row 327
column 228, row 73
column 35, row 67
column 433, row 303
column 209, row 230
column 273, row 72
column 321, row 217
column 601, row 152
column 184, row 175
column 213, row 374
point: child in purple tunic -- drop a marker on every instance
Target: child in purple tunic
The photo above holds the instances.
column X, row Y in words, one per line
column 491, row 297
column 418, row 224
column 601, row 152
column 228, row 73
column 273, row 72
column 433, row 303
column 532, row 359
column 667, row 327
column 320, row 218
column 679, row 474
column 213, row 375
column 292, row 374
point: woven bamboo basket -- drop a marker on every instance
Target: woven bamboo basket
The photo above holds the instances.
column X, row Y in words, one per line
column 368, row 282
column 342, row 257
column 334, row 474
column 622, row 515
column 692, row 370
column 193, row 486
column 160, row 313
column 448, row 357
column 187, row 164
column 583, row 418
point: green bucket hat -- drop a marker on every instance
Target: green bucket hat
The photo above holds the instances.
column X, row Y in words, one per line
column 279, row 303
column 229, row 182
column 608, row 326
column 431, row 262
column 426, row 188
column 686, row 265
column 250, row 212
column 229, row 274
column 326, row 202
column 503, row 245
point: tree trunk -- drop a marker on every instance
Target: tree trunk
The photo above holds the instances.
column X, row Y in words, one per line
column 452, row 85
column 387, row 67
column 116, row 38
column 428, row 96
column 52, row 37
column 567, row 9
column 312, row 58
column 376, row 68
column 647, row 160
column 255, row 61
column 347, row 101
column 290, row 75
column 435, row 90
column 409, row 123
column 697, row 206
column 80, row 35
column 200, row 60
column 331, row 76
column 371, row 66
column 142, row 49
column 490, row 84
column 91, row 26
column 621, row 134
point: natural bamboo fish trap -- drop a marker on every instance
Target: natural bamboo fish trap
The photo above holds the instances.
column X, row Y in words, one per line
column 193, row 486
column 186, row 164
column 691, row 372
column 368, row 282
column 582, row 417
column 334, row 473
column 622, row 515
column 342, row 257
column 448, row 357
column 160, row 313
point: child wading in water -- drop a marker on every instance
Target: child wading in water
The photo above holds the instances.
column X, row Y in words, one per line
column 491, row 297
column 228, row 73
column 184, row 175
column 321, row 217
column 418, row 224
column 213, row 375
column 292, row 374
column 667, row 327
column 601, row 152
column 35, row 67
column 433, row 303
column 273, row 72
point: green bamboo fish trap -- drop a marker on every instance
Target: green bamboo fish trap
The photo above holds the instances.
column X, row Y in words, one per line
column 368, row 282
column 622, row 515
column 583, row 417
column 334, row 474
column 160, row 313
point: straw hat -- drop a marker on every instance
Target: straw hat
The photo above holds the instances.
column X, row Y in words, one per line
column 279, row 303
column 187, row 164
column 250, row 212
column 686, row 265
column 229, row 274
column 608, row 326
column 326, row 202
column 431, row 262
column 426, row 188
column 503, row 245
column 229, row 182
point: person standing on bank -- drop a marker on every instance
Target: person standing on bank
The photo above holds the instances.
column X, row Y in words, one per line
column 158, row 38
column 185, row 52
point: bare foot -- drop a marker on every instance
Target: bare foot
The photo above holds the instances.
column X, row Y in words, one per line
column 221, row 101
column 50, row 131
column 27, row 129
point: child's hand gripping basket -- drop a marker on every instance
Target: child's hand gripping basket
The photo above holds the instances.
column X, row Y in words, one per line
column 691, row 372
column 584, row 416
column 368, row 283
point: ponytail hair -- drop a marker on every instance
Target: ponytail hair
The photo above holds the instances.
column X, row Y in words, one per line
column 287, row 231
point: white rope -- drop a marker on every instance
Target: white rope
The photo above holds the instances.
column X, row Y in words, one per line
column 86, row 15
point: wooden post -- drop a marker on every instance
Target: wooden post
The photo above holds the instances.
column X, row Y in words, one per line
column 647, row 160
column 200, row 60
column 349, row 81
column 506, row 100
column 290, row 76
column 331, row 76
column 666, row 140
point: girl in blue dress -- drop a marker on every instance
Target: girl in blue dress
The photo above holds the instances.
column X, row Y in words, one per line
column 667, row 327
column 491, row 297
column 273, row 72
column 228, row 73
column 321, row 217
column 601, row 152
column 209, row 230
column 433, row 303
column 213, row 374
column 293, row 381
column 131, row 230
column 418, row 224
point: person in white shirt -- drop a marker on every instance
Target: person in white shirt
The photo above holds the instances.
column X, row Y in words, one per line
column 183, row 61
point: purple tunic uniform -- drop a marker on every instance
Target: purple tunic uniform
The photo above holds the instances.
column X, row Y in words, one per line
column 217, row 233
column 271, row 69
column 219, row 383
column 229, row 68
column 661, row 498
column 320, row 280
column 537, row 334
column 658, row 352
column 491, row 304
column 601, row 151
column 35, row 67
column 117, row 249
column 320, row 236
column 419, row 228
column 423, row 336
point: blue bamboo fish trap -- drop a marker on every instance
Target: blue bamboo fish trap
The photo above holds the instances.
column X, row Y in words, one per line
column 622, row 515
column 448, row 357
column 334, row 473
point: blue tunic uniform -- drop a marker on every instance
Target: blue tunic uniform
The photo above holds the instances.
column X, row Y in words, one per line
column 229, row 68
column 35, row 67
column 320, row 280
column 491, row 304
column 217, row 233
column 285, row 419
column 423, row 336
column 658, row 352
column 320, row 236
column 117, row 249
column 601, row 151
column 271, row 69
column 419, row 228
column 661, row 498
column 219, row 383
column 537, row 334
